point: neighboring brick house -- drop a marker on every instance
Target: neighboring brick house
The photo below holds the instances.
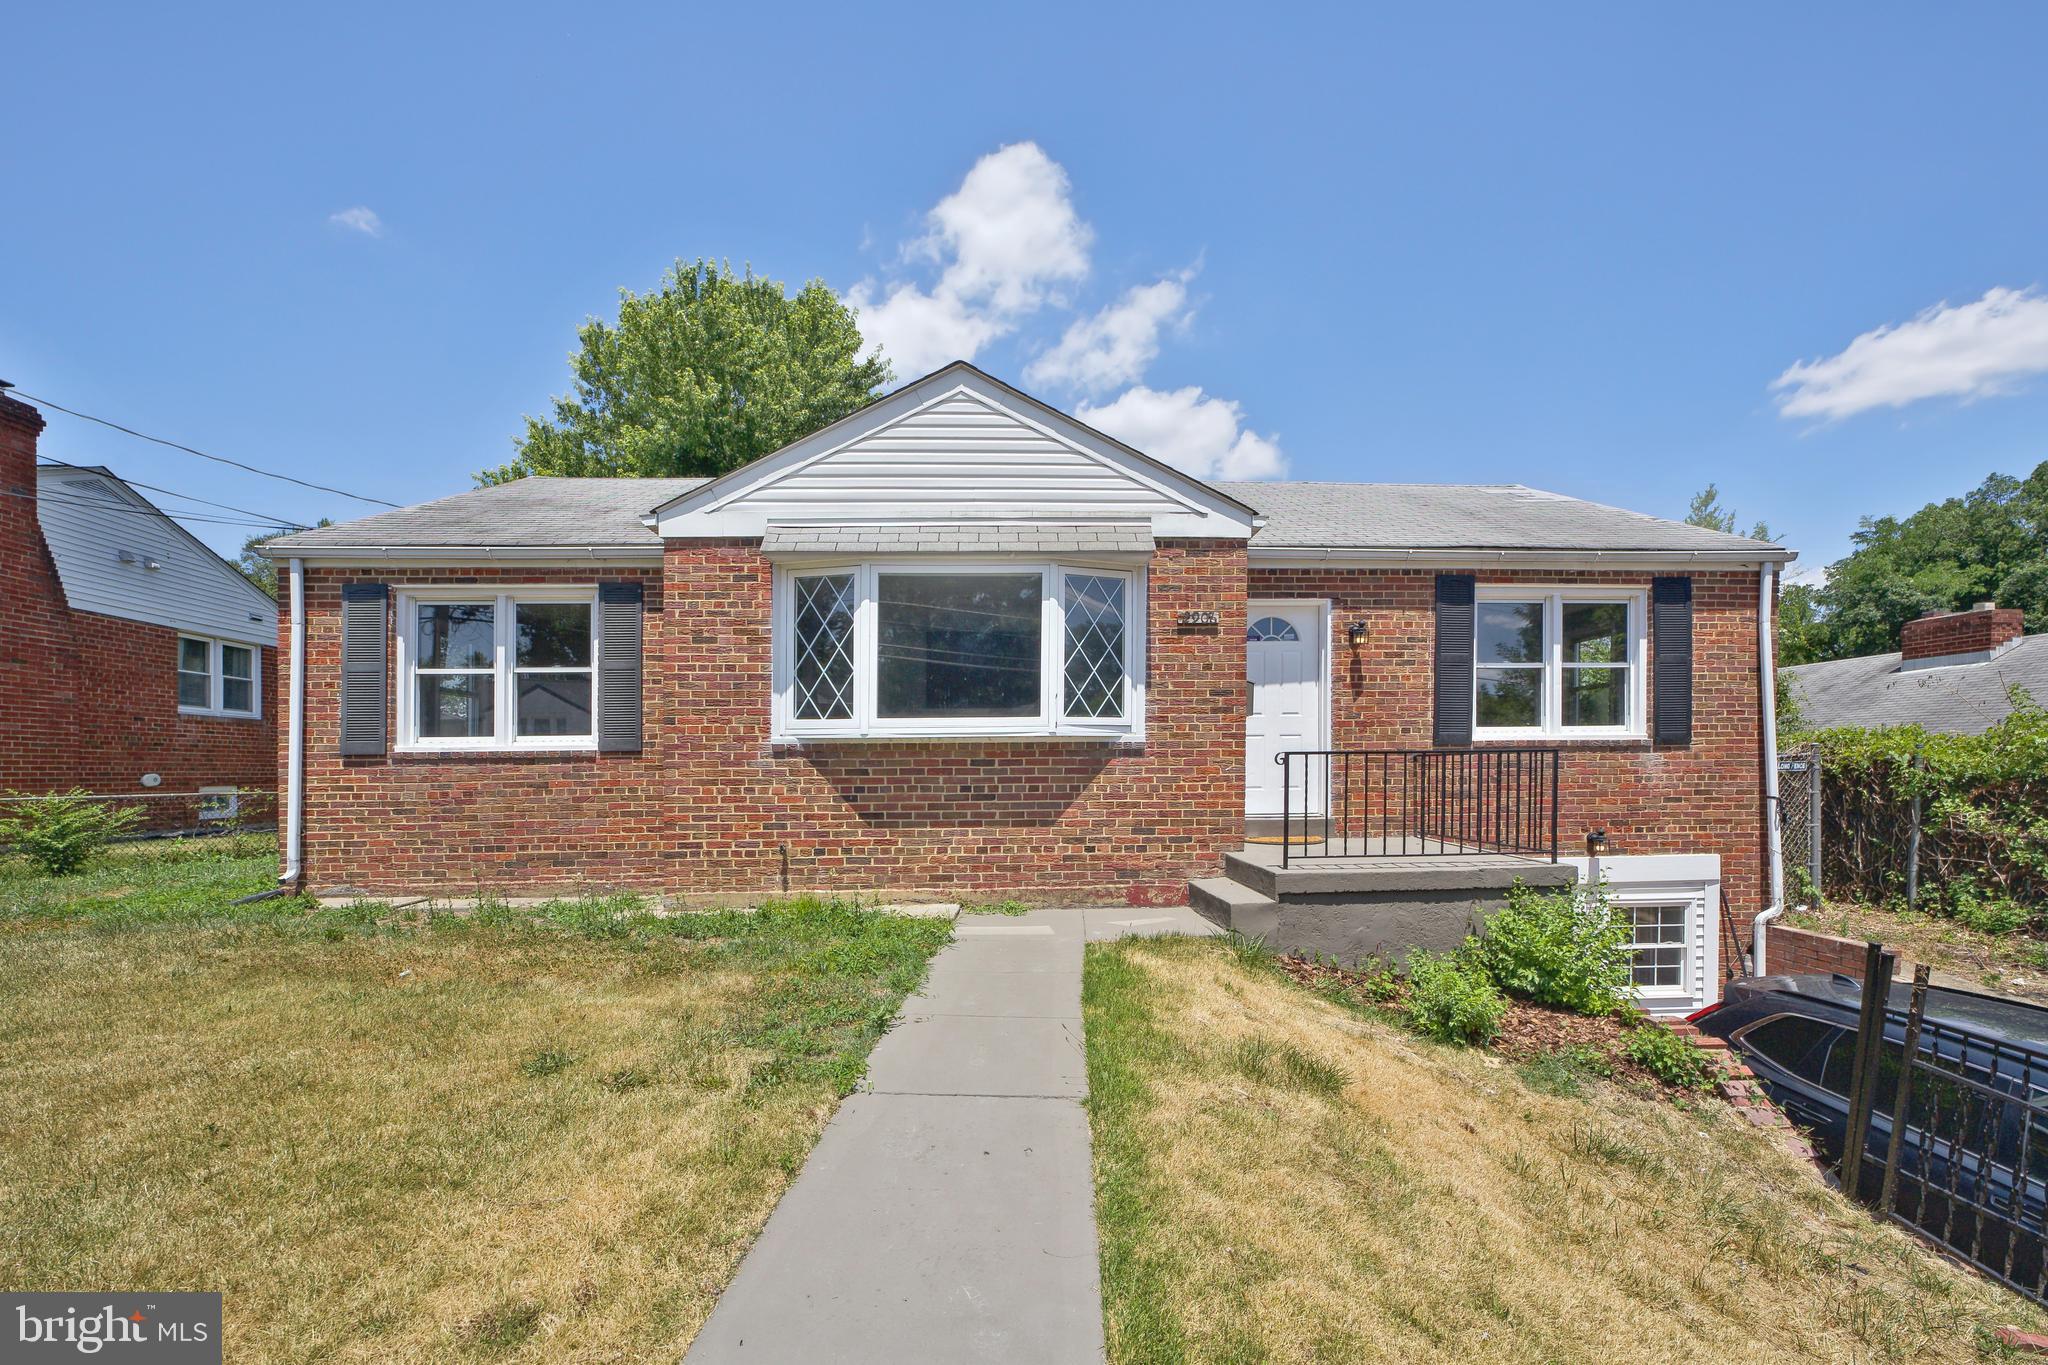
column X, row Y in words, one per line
column 134, row 661
column 960, row 644
column 1953, row 673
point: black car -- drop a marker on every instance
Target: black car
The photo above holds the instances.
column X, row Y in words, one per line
column 1978, row 1113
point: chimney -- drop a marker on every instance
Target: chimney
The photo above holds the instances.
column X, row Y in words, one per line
column 1958, row 637
column 20, row 425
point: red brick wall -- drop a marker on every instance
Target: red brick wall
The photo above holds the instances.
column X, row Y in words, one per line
column 1706, row 797
column 712, row 808
column 1789, row 951
column 1959, row 632
column 91, row 700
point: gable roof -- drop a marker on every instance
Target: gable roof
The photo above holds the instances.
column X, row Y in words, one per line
column 1957, row 699
column 118, row 554
column 1440, row 516
column 956, row 443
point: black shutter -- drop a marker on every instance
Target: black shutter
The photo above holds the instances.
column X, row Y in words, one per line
column 1671, row 648
column 618, row 668
column 1455, row 595
column 365, row 669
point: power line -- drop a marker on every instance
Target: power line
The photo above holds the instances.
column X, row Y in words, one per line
column 285, row 522
column 217, row 459
column 101, row 505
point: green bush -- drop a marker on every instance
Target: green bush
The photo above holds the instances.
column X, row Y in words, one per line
column 60, row 834
column 1452, row 1001
column 1670, row 1058
column 1568, row 948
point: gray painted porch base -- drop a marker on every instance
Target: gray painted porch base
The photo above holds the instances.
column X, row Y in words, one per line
column 1354, row 908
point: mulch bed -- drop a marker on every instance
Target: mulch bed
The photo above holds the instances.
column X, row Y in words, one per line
column 1527, row 1031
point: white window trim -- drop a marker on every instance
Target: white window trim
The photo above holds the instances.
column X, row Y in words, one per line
column 1687, row 946
column 1051, row 720
column 504, row 675
column 216, row 674
column 1553, row 599
column 230, row 807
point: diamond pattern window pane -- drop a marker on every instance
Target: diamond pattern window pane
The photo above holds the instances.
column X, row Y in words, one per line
column 824, row 647
column 1095, row 647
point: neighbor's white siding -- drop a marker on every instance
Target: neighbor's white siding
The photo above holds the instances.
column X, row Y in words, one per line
column 88, row 520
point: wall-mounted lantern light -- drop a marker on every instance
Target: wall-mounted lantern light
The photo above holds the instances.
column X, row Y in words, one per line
column 1596, row 842
column 1356, row 633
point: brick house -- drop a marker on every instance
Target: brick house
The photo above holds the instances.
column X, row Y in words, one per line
column 961, row 645
column 135, row 662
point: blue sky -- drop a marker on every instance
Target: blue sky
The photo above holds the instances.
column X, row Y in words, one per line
column 1566, row 246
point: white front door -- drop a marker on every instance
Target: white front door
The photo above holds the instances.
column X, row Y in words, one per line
column 1283, row 655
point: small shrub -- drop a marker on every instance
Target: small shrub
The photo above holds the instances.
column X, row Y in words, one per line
column 60, row 834
column 1988, row 914
column 1452, row 1001
column 1567, row 948
column 1670, row 1058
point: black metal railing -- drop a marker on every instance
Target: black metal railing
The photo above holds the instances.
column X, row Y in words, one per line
column 1967, row 1167
column 1410, row 803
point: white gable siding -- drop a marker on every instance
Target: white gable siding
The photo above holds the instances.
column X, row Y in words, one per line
column 89, row 520
column 959, row 452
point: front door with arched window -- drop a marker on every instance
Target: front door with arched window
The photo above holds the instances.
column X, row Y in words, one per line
column 1284, row 657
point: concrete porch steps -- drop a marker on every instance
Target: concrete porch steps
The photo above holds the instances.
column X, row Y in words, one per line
column 1353, row 903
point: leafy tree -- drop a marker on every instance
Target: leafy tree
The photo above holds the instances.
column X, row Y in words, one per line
column 1802, row 630
column 1991, row 544
column 255, row 567
column 709, row 371
column 1707, row 511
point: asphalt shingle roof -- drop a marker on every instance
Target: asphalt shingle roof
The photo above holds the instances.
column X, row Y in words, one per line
column 1455, row 516
column 1960, row 699
column 546, row 512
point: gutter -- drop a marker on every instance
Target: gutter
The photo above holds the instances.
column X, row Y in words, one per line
column 1767, row 687
column 1455, row 557
column 458, row 554
column 295, row 734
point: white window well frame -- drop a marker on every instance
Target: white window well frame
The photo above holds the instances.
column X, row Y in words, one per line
column 505, row 736
column 216, row 678
column 1051, row 720
column 1554, row 598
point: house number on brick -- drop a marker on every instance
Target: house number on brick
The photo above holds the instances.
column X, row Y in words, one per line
column 1199, row 618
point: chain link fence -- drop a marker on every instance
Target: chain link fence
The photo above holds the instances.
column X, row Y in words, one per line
column 1799, row 820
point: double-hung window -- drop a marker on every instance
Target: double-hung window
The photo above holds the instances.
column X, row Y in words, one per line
column 1659, row 939
column 927, row 649
column 502, row 670
column 1558, row 663
column 218, row 678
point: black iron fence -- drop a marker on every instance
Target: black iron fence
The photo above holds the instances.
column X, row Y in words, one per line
column 1406, row 803
column 1967, row 1166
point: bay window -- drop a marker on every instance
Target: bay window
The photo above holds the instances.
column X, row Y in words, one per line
column 217, row 678
column 926, row 649
column 1558, row 663
column 509, row 670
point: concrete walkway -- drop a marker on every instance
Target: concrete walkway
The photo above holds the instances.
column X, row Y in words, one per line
column 948, row 1212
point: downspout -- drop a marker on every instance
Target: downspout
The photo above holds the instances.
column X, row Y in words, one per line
column 1767, row 684
column 295, row 733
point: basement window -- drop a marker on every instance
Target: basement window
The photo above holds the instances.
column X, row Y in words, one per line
column 925, row 649
column 218, row 678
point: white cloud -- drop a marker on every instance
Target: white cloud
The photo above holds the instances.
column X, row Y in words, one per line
column 359, row 219
column 1116, row 344
column 1200, row 435
column 1005, row 242
column 1968, row 351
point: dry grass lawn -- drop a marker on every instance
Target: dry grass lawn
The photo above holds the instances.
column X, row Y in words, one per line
column 508, row 1136
column 1279, row 1178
